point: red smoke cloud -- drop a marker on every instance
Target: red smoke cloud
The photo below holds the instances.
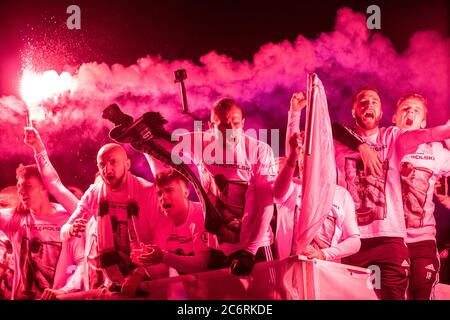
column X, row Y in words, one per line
column 346, row 59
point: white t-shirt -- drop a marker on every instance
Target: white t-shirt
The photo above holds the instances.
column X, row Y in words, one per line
column 41, row 259
column 378, row 200
column 418, row 172
column 246, row 180
column 187, row 238
column 339, row 225
column 147, row 222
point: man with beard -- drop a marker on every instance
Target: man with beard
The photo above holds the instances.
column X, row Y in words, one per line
column 117, row 213
column 237, row 172
column 376, row 189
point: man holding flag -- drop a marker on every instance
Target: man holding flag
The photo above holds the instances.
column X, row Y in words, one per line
column 317, row 194
column 338, row 235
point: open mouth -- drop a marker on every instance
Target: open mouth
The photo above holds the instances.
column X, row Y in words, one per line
column 369, row 114
column 167, row 206
column 409, row 121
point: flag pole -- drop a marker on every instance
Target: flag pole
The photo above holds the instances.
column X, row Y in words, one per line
column 311, row 98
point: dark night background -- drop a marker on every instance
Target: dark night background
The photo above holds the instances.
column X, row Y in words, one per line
column 122, row 31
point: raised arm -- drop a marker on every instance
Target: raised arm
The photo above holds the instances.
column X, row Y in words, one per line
column 48, row 173
column 285, row 175
column 298, row 102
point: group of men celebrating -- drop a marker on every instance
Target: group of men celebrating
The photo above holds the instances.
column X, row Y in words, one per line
column 125, row 230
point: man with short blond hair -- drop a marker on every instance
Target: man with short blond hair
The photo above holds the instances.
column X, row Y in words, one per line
column 418, row 174
column 376, row 189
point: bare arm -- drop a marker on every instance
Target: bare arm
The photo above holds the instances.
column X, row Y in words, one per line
column 298, row 103
column 187, row 264
column 284, row 178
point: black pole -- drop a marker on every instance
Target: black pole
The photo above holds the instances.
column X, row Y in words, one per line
column 180, row 76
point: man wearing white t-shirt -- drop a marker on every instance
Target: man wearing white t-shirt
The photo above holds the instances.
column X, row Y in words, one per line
column 43, row 264
column 376, row 190
column 339, row 235
column 181, row 241
column 117, row 213
column 418, row 174
column 237, row 172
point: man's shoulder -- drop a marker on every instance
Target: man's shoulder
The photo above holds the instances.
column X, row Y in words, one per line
column 7, row 213
column 59, row 209
column 196, row 213
column 196, row 208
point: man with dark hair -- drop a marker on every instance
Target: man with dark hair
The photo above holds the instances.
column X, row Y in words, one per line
column 43, row 263
column 376, row 189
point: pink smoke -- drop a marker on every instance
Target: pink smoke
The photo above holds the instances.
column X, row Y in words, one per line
column 346, row 59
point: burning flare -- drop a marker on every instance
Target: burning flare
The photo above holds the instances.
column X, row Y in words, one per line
column 36, row 88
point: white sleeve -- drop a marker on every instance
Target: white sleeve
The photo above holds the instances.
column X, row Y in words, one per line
column 282, row 186
column 256, row 225
column 409, row 140
column 445, row 168
column 75, row 281
column 53, row 183
column 343, row 249
column 293, row 126
column 83, row 210
column 350, row 240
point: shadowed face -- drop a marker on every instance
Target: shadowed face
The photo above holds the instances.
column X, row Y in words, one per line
column 31, row 192
column 410, row 114
column 231, row 120
column 367, row 110
column 113, row 165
